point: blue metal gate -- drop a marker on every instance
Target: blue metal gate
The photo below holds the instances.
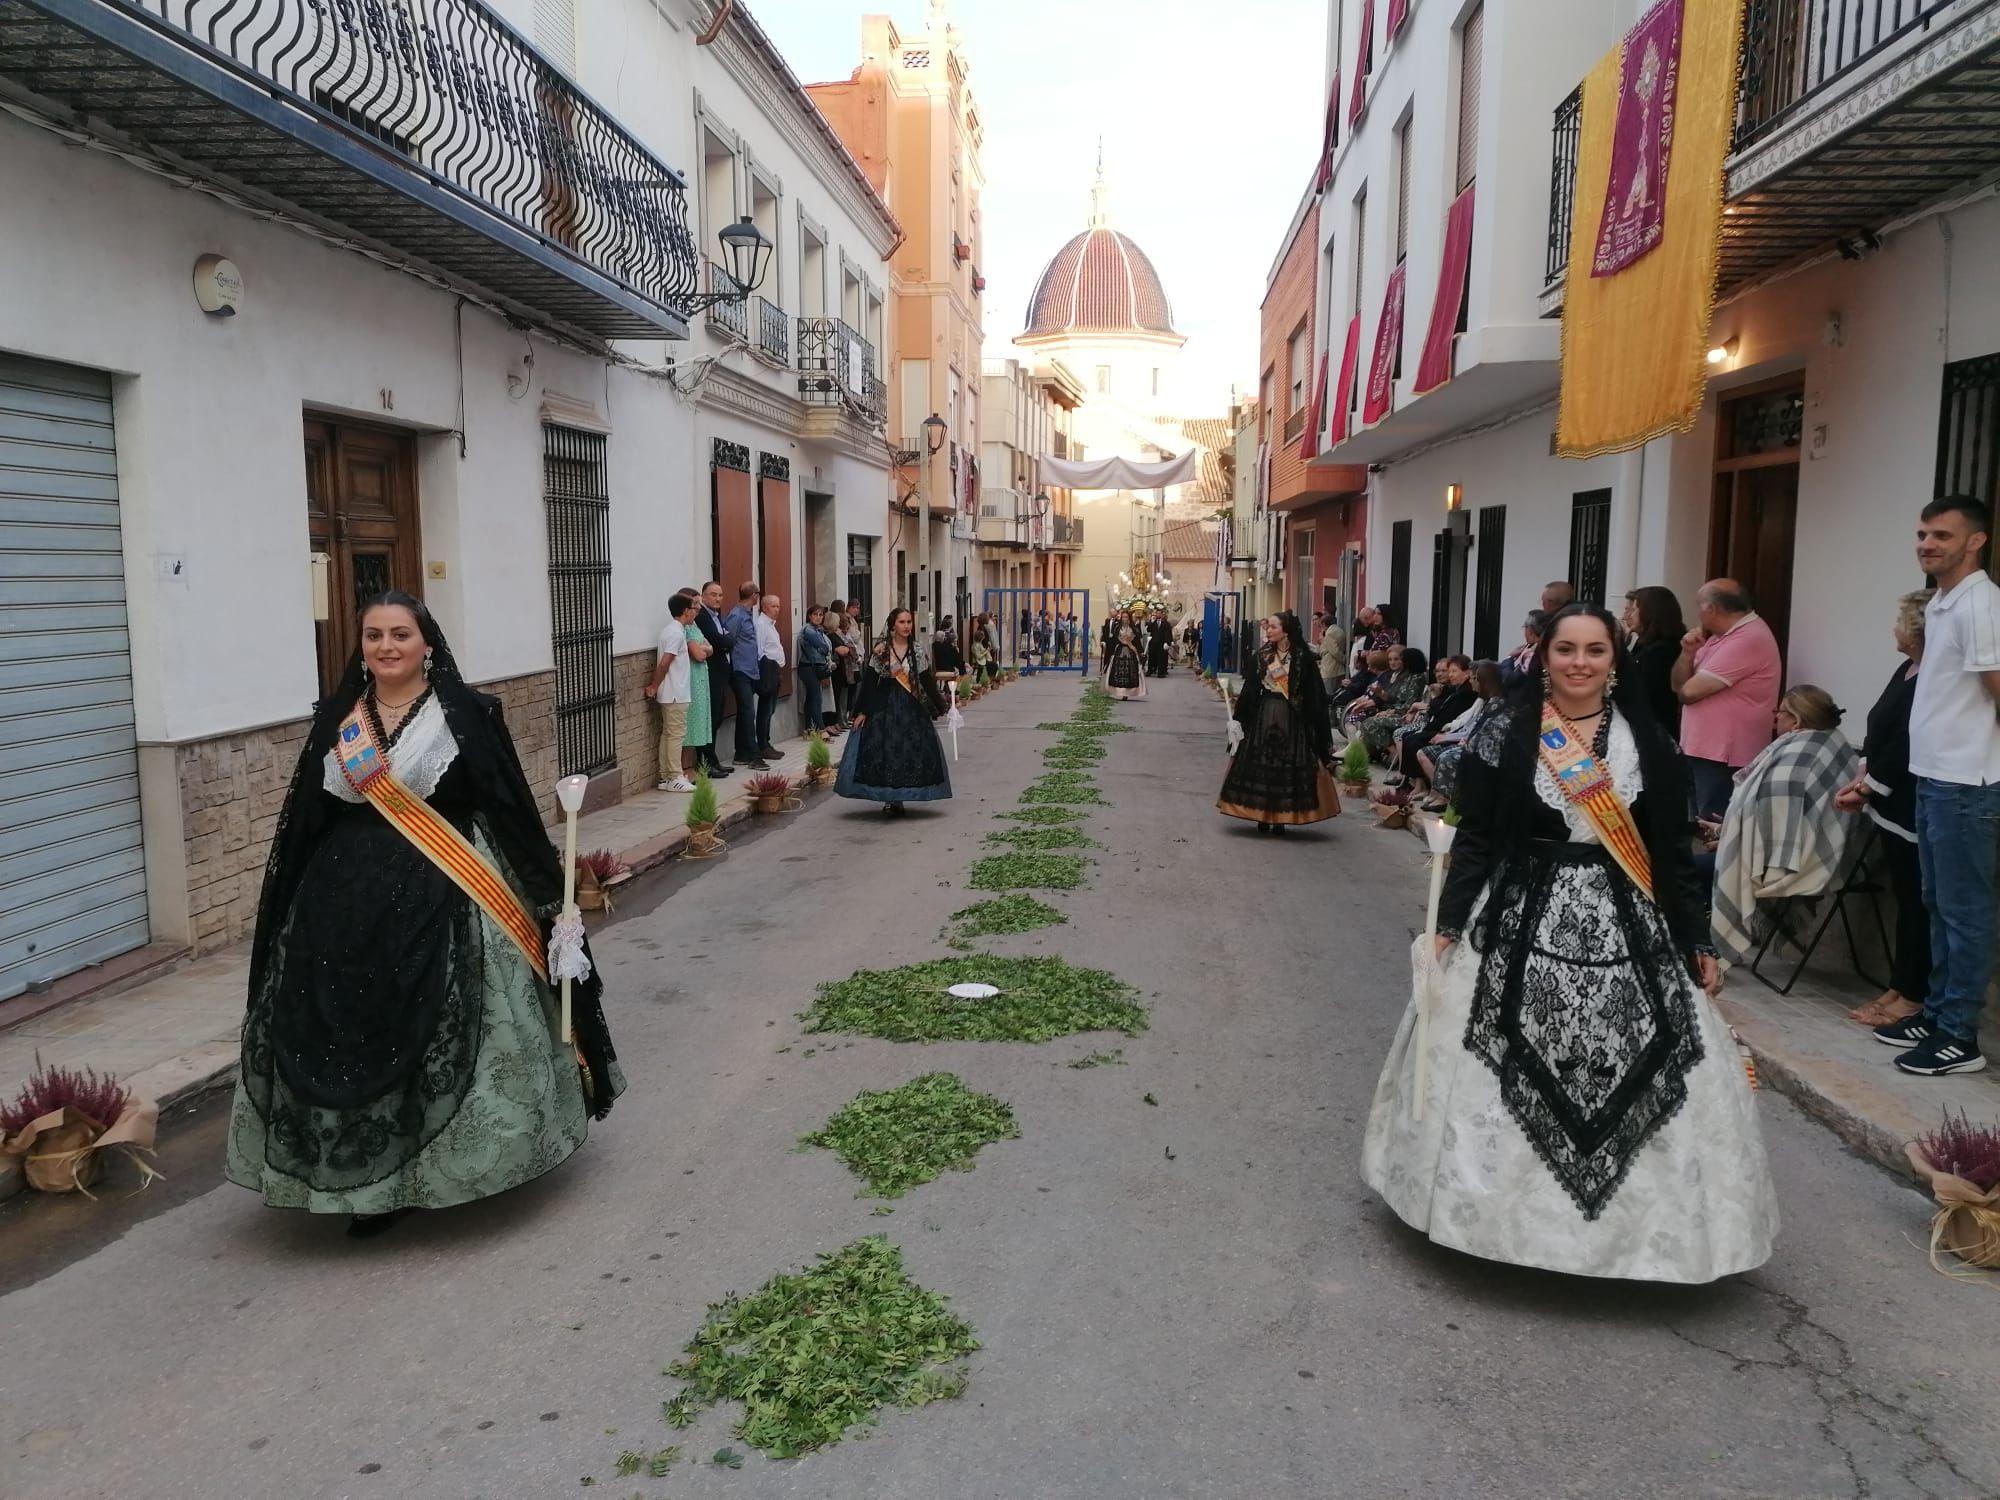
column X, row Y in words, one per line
column 1221, row 623
column 1040, row 630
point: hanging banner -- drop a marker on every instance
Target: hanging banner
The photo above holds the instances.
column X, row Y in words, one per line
column 1399, row 12
column 1635, row 202
column 1120, row 473
column 1343, row 393
column 1635, row 345
column 1330, row 139
column 1364, row 56
column 1434, row 369
column 1388, row 339
column 1315, row 416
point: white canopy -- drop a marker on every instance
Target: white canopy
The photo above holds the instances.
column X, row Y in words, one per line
column 1119, row 473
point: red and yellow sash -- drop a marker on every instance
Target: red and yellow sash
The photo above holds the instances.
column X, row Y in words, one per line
column 1586, row 782
column 365, row 764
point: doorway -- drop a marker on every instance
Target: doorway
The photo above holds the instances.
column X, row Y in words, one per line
column 1753, row 519
column 361, row 520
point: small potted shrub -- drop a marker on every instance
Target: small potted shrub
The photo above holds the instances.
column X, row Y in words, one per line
column 1961, row 1163
column 768, row 793
column 702, row 816
column 596, row 873
column 62, row 1122
column 1354, row 772
column 819, row 762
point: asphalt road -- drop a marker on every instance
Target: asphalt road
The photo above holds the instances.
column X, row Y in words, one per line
column 1197, row 1299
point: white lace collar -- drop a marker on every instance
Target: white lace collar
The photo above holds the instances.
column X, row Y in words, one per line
column 1623, row 754
column 423, row 752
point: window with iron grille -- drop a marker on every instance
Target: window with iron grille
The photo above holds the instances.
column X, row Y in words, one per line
column 1441, row 560
column 1489, row 578
column 861, row 577
column 579, row 517
column 1968, row 461
column 1589, row 538
column 1400, row 536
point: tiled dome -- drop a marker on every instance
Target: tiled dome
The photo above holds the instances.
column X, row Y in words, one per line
column 1100, row 282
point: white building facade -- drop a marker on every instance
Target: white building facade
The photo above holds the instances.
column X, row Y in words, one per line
column 381, row 332
column 1855, row 368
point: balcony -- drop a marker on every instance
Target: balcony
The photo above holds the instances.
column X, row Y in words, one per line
column 1066, row 533
column 428, row 131
column 1003, row 518
column 1850, row 113
column 837, row 369
column 731, row 319
column 774, row 331
column 1295, row 425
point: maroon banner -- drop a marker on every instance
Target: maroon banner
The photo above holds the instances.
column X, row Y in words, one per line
column 1344, row 392
column 1635, row 202
column 1331, row 139
column 1399, row 12
column 1315, row 416
column 1388, row 339
column 1434, row 369
column 1364, row 60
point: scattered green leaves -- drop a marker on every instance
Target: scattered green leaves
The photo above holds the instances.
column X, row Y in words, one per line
column 1044, row 816
column 629, row 1463
column 1152, row 1101
column 1042, row 838
column 1064, row 786
column 1040, row 998
column 662, row 1463
column 901, row 1138
column 1040, row 872
column 1112, row 1059
column 1015, row 912
column 812, row 1353
column 681, row 1412
column 1094, row 726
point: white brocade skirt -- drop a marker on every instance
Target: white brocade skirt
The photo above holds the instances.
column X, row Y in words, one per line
column 1697, row 1203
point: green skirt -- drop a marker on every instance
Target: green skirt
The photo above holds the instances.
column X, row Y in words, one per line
column 701, row 708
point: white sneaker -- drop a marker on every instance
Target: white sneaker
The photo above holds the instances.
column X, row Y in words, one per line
column 678, row 784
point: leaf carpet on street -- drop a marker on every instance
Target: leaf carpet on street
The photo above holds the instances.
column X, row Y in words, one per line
column 898, row 1139
column 1015, row 912
column 813, row 1353
column 1041, row 838
column 1039, row 998
column 1014, row 872
column 1044, row 816
column 1064, row 786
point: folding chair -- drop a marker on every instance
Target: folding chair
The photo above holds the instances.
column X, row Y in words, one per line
column 1860, row 881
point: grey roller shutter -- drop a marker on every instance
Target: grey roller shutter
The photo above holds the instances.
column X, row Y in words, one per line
column 72, row 859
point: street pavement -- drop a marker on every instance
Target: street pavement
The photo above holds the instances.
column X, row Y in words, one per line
column 1192, row 1299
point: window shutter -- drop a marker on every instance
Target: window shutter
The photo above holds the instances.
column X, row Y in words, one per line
column 1403, row 188
column 1471, row 65
column 1360, row 243
column 555, row 32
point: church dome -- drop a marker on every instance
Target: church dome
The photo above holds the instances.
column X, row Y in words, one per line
column 1101, row 282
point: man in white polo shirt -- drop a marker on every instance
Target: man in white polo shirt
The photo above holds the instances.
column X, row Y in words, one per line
column 1955, row 758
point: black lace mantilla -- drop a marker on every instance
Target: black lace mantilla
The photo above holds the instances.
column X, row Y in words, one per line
column 1583, row 1014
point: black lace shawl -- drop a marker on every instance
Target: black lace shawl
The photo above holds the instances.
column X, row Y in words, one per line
column 505, row 808
column 1306, row 690
column 876, row 679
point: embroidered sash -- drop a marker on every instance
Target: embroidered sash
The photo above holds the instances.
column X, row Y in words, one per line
column 365, row 764
column 1586, row 782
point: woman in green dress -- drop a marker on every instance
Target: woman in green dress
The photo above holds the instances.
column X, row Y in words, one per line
column 700, row 740
column 399, row 1047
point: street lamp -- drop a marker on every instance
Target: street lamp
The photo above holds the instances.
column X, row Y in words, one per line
column 935, row 432
column 749, row 255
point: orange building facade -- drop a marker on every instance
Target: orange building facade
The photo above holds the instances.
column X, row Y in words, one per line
column 909, row 117
column 1324, row 507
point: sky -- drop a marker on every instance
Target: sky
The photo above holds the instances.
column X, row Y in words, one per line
column 1210, row 115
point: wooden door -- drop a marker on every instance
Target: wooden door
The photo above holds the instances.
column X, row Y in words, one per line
column 1753, row 520
column 361, row 511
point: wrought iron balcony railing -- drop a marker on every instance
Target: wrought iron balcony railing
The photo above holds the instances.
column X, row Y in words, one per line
column 1562, row 183
column 731, row 316
column 875, row 401
column 837, row 368
column 428, row 128
column 1794, row 50
column 774, row 331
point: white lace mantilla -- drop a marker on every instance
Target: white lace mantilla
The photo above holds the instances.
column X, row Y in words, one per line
column 423, row 752
column 1623, row 753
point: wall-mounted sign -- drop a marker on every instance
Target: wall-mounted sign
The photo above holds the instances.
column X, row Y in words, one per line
column 218, row 285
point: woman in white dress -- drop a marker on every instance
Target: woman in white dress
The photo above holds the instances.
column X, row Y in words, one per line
column 1584, row 1109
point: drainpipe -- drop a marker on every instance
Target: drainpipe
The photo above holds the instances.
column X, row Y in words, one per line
column 715, row 26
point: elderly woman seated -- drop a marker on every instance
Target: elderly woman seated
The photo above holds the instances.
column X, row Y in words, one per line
column 1376, row 717
column 1782, row 838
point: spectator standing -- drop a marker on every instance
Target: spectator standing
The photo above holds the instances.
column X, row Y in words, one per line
column 770, row 667
column 849, row 662
column 1727, row 678
column 1557, row 596
column 1885, row 789
column 1517, row 666
column 815, row 671
column 1654, row 624
column 708, row 620
column 699, row 746
column 670, row 688
column 1332, row 654
column 1955, row 758
column 741, row 625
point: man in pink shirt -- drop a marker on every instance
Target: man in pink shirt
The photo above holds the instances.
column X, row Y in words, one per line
column 1728, row 676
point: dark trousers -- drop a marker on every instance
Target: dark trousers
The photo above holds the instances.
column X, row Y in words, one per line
column 842, row 693
column 1714, row 783
column 1910, row 964
column 767, row 702
column 718, row 710
column 815, row 709
column 745, row 687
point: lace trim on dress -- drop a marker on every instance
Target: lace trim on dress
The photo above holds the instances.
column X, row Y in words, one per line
column 423, row 752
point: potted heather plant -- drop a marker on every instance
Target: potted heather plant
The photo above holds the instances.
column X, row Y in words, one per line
column 1960, row 1162
column 596, row 873
column 62, row 1122
column 1354, row 773
column 702, row 816
column 819, row 762
column 768, row 793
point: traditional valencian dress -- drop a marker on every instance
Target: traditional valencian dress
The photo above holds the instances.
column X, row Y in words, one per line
column 399, row 1048
column 1124, row 672
column 896, row 756
column 1585, row 1109
column 1278, row 775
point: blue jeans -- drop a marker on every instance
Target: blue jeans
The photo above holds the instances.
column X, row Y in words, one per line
column 1713, row 783
column 1958, row 845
